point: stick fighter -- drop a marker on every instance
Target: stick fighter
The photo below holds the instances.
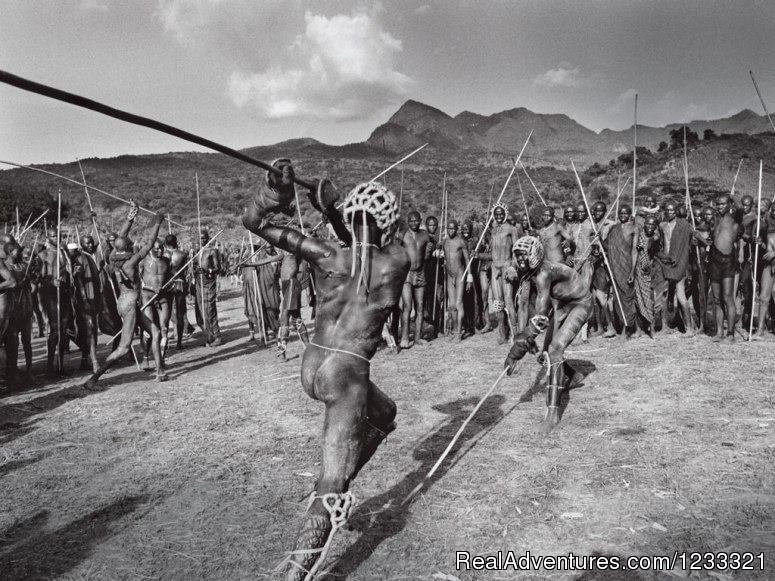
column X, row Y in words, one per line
column 562, row 286
column 357, row 287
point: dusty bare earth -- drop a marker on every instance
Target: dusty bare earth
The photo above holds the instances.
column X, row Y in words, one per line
column 668, row 446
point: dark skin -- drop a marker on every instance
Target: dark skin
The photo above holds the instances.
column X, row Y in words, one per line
column 155, row 271
column 129, row 274
column 177, row 259
column 560, row 287
column 54, row 274
column 501, row 241
column 417, row 244
column 725, row 235
column 88, row 297
column 553, row 236
column 456, row 258
column 349, row 320
column 14, row 277
column 767, row 258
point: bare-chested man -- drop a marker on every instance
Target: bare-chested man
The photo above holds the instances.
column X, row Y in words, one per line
column 434, row 273
column 88, row 300
column 484, row 260
column 723, row 266
column 55, row 274
column 177, row 289
column 358, row 287
column 456, row 259
column 553, row 236
column 19, row 318
column 125, row 267
column 155, row 272
column 290, row 306
column 502, row 239
column 417, row 243
column 767, row 259
column 562, row 288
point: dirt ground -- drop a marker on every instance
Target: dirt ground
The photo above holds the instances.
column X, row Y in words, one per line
column 668, row 446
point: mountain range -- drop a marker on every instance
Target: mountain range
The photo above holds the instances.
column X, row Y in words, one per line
column 556, row 137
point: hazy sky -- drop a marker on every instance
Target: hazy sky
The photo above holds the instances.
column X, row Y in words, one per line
column 253, row 72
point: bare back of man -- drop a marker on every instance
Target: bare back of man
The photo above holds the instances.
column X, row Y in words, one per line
column 767, row 257
column 416, row 242
column 357, row 288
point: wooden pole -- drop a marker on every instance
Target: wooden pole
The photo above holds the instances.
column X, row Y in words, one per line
column 59, row 281
column 734, row 181
column 524, row 202
column 764, row 106
column 401, row 193
column 524, row 169
column 77, row 183
column 635, row 154
column 38, row 219
column 756, row 254
column 602, row 249
column 446, row 225
column 489, row 218
column 201, row 273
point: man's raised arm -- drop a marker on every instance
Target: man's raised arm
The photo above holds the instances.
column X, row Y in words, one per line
column 146, row 248
column 130, row 218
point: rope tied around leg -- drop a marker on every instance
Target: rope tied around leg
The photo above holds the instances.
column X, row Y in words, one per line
column 338, row 505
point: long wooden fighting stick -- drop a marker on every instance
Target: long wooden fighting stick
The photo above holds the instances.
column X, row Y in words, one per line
column 201, row 273
column 59, row 281
column 409, row 497
column 524, row 202
column 102, row 251
column 602, row 249
column 446, row 225
column 690, row 211
column 734, row 181
column 756, row 254
column 759, row 93
column 289, row 222
column 35, row 221
column 401, row 193
column 260, row 305
column 77, row 183
column 438, row 258
column 635, row 153
column 532, row 183
column 490, row 217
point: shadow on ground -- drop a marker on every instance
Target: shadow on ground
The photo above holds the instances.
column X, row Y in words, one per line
column 384, row 516
column 29, row 551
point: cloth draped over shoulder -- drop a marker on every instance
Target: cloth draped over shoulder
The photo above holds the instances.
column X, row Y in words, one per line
column 619, row 250
column 680, row 246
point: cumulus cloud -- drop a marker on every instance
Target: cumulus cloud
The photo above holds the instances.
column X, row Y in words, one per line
column 562, row 76
column 343, row 68
column 422, row 9
column 183, row 17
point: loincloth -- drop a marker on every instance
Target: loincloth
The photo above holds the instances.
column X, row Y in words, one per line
column 415, row 278
column 721, row 265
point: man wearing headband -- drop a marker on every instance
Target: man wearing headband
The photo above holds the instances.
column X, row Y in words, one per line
column 358, row 285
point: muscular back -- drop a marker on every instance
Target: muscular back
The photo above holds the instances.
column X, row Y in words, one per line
column 154, row 272
column 345, row 318
column 560, row 283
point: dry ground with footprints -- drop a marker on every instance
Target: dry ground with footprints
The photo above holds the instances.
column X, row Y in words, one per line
column 667, row 446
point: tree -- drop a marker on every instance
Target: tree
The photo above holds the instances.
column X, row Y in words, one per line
column 677, row 138
column 599, row 192
column 708, row 135
column 29, row 202
column 662, row 146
